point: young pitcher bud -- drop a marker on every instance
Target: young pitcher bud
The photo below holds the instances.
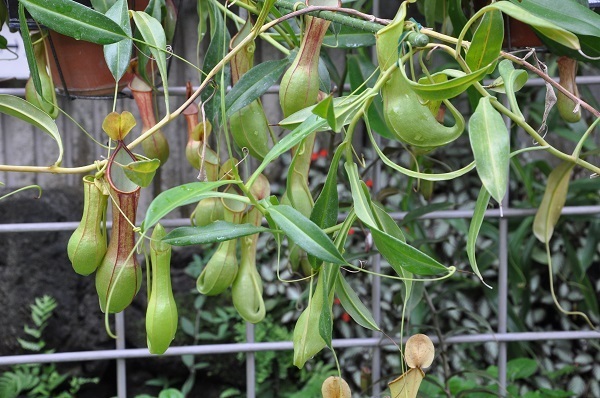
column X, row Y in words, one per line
column 161, row 314
column 155, row 146
column 207, row 211
column 300, row 83
column 567, row 71
column 87, row 245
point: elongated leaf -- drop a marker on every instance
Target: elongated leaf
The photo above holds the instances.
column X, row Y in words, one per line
column 402, row 256
column 29, row 52
column 387, row 223
column 75, row 20
column 553, row 201
column 361, row 70
column 487, row 41
column 217, row 231
column 450, row 88
column 305, row 233
column 491, row 148
column 217, row 48
column 19, row 108
column 480, row 207
column 118, row 55
column 325, row 318
column 254, row 83
column 361, row 201
column 339, row 107
column 325, row 210
column 352, row 304
column 307, row 342
column 544, row 26
column 181, row 195
column 308, row 126
column 513, row 81
column 324, row 109
column 142, row 172
column 154, row 36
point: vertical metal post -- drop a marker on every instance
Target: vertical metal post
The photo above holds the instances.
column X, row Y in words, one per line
column 121, row 365
column 250, row 364
column 376, row 286
column 503, row 282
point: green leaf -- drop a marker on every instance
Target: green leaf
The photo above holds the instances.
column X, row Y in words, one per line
column 543, row 25
column 341, row 106
column 154, row 36
column 478, row 214
column 218, row 231
column 513, row 81
column 19, row 108
column 361, row 70
column 141, row 172
column 457, row 17
column 450, row 88
column 308, row 343
column 521, row 368
column 487, row 41
column 402, row 256
column 352, row 304
column 75, row 20
column 324, row 109
column 254, row 83
column 217, row 48
column 325, row 318
column 360, row 199
column 102, row 5
column 553, row 201
column 181, row 195
column 29, row 51
column 491, row 148
column 118, row 55
column 386, row 222
column 305, row 233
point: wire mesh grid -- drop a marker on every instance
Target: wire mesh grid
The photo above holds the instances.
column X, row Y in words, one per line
column 120, row 353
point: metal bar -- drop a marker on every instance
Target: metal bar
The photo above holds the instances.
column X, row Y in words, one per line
column 121, row 364
column 442, row 214
column 250, row 364
column 283, row 346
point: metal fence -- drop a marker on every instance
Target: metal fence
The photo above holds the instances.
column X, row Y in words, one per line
column 501, row 337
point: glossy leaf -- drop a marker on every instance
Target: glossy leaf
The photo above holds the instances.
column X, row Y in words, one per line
column 75, row 20
column 553, row 201
column 513, row 81
column 324, row 109
column 118, row 55
column 325, row 318
column 141, row 172
column 325, row 210
column 254, row 83
column 491, row 148
column 307, row 342
column 29, row 52
column 217, row 48
column 361, row 201
column 21, row 109
column 154, row 36
column 361, row 70
column 352, row 304
column 402, row 256
column 181, row 195
column 305, row 233
column 487, row 41
column 218, row 231
column 387, row 223
column 450, row 88
column 478, row 214
column 543, row 25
